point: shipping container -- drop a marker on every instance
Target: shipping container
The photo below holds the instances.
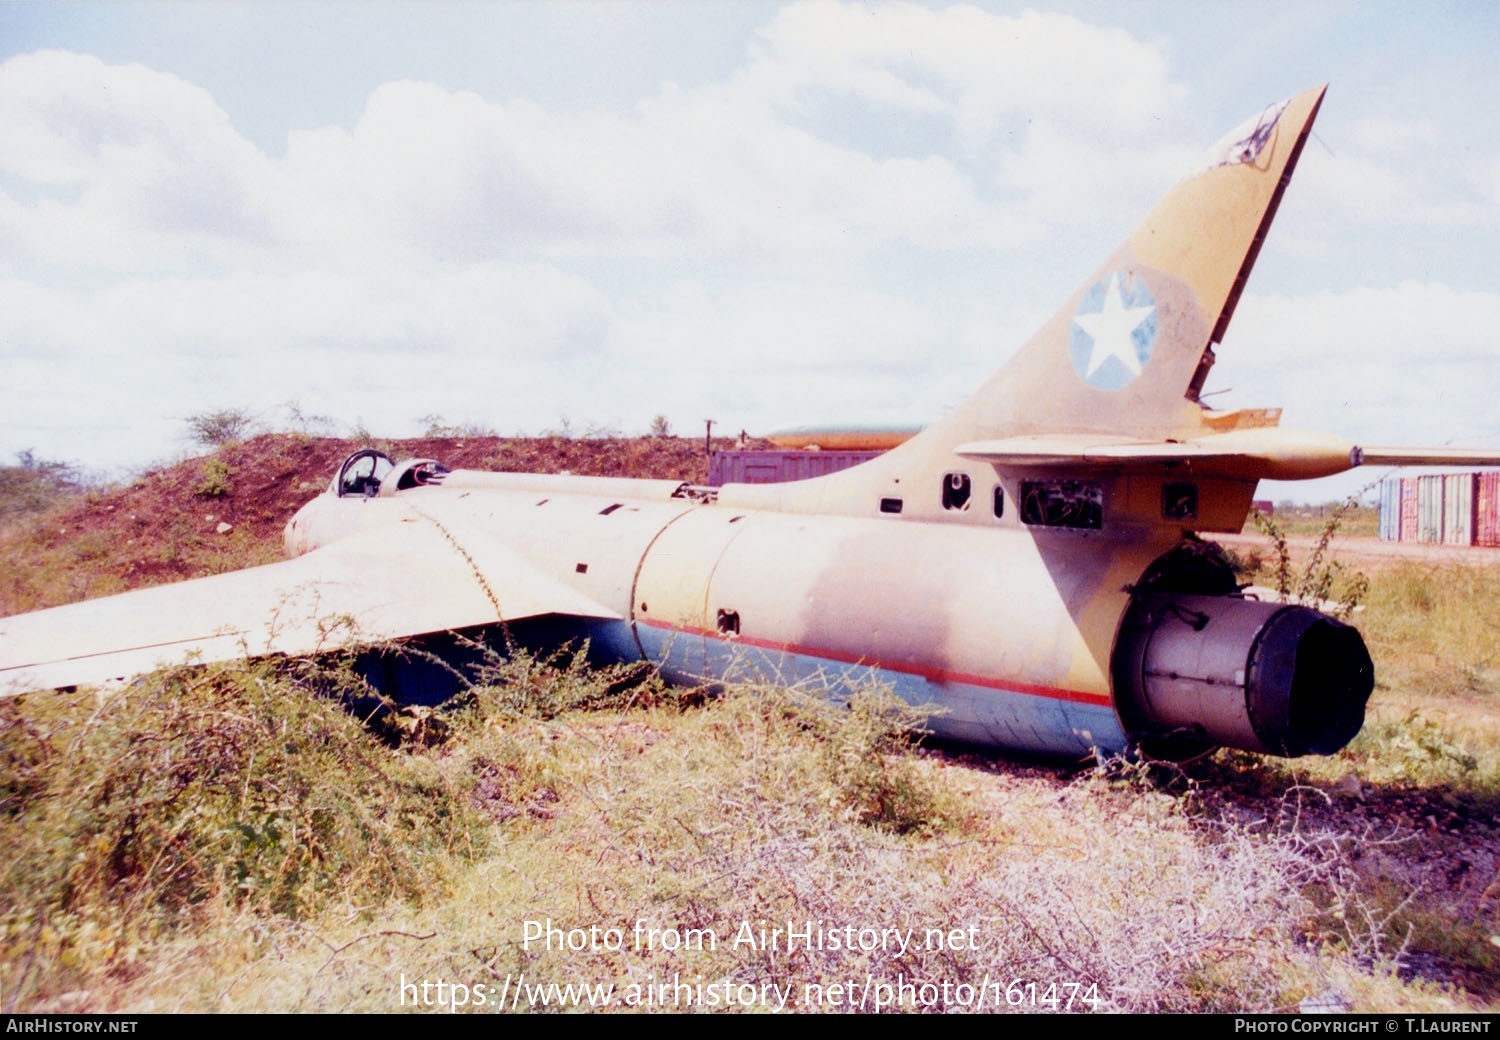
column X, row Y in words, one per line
column 1458, row 509
column 1409, row 525
column 1430, row 507
column 775, row 467
column 1390, row 509
column 1487, row 509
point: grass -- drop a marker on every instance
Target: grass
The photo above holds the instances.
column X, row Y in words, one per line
column 195, row 793
column 1436, row 718
column 1419, row 788
column 225, row 840
column 1355, row 519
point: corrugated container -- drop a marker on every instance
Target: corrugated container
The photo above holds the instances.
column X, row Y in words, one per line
column 776, row 467
column 1390, row 509
column 1409, row 525
column 1487, row 508
column 1458, row 509
column 1430, row 507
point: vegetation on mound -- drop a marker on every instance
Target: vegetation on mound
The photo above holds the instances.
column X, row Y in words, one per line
column 34, row 486
column 77, row 543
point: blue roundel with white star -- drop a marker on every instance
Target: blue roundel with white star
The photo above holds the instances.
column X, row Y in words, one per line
column 1113, row 332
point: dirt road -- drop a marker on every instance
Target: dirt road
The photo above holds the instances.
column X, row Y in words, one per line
column 1368, row 552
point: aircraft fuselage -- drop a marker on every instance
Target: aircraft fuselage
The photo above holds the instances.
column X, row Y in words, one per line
column 1009, row 632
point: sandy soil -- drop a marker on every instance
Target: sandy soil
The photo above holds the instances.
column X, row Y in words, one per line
column 1370, row 552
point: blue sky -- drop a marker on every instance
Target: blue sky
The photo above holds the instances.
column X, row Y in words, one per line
column 522, row 214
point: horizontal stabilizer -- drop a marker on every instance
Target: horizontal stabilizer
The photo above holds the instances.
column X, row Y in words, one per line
column 390, row 583
column 1429, row 457
column 1266, row 453
column 1262, row 453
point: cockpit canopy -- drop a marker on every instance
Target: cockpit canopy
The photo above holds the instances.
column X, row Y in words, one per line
column 362, row 473
column 370, row 472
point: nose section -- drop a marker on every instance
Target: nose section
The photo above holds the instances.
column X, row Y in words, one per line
column 292, row 541
column 1196, row 671
column 300, row 534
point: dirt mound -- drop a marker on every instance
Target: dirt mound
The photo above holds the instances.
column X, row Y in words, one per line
column 168, row 524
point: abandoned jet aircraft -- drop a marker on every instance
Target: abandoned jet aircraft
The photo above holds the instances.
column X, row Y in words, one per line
column 1030, row 564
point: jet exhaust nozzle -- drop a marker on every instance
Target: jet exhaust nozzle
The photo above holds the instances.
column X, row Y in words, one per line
column 1196, row 671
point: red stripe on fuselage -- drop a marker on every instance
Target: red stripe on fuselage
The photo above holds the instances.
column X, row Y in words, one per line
column 938, row 675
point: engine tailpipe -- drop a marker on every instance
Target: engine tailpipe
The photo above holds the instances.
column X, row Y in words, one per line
column 1191, row 672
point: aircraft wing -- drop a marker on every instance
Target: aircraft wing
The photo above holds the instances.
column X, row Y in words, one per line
column 1261, row 453
column 403, row 580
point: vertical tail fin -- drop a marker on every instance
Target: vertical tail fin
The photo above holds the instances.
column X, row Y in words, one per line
column 1127, row 354
column 1129, row 351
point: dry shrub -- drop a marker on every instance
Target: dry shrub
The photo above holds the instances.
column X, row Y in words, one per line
column 1320, row 581
column 521, row 684
column 1167, row 909
column 739, row 816
column 770, row 810
column 865, row 746
column 198, row 789
column 25, row 756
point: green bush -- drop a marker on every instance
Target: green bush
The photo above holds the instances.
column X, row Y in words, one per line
column 215, row 479
column 225, row 785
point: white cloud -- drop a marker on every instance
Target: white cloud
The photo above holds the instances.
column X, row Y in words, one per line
column 988, row 73
column 1386, row 135
column 1486, row 180
column 834, row 227
column 1060, row 122
column 129, row 167
column 1387, row 172
column 135, row 169
column 459, row 178
column 1411, row 364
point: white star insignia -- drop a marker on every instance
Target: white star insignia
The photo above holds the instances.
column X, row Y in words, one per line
column 1111, row 329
